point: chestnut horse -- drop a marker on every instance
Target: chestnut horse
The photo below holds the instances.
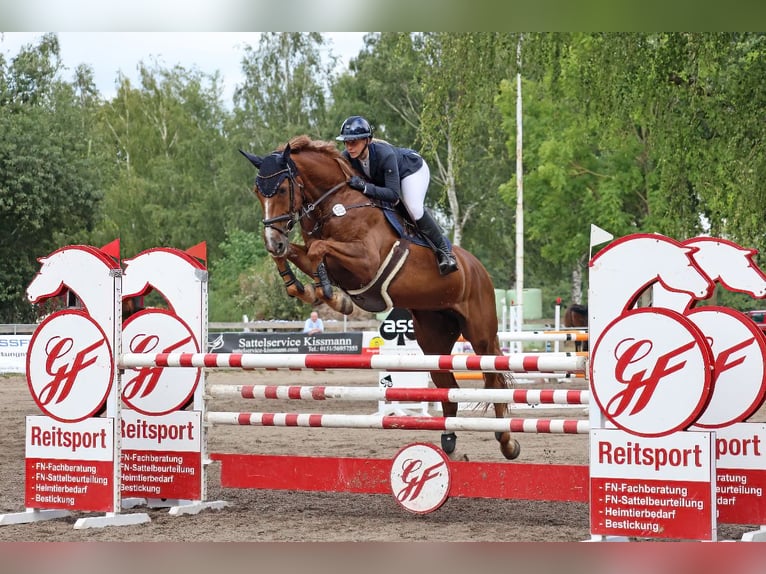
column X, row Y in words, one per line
column 349, row 243
column 577, row 316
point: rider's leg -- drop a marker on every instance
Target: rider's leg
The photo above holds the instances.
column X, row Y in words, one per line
column 414, row 188
column 429, row 227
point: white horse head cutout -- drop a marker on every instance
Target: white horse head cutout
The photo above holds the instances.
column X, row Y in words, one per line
column 86, row 271
column 624, row 269
column 730, row 265
column 171, row 272
column 725, row 263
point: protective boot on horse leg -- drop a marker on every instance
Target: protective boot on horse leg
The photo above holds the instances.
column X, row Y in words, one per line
column 430, row 229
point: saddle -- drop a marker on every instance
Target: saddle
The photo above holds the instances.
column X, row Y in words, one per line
column 374, row 296
column 401, row 222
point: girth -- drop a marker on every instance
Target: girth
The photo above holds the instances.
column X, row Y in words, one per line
column 374, row 297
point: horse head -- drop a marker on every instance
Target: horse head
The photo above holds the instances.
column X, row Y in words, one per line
column 275, row 188
column 293, row 184
column 729, row 264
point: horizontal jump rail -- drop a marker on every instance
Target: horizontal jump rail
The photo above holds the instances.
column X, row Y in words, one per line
column 428, row 394
column 574, row 334
column 554, row 336
column 477, row 376
column 492, row 363
column 522, row 425
column 546, row 353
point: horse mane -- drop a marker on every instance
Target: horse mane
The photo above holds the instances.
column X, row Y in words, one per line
column 305, row 143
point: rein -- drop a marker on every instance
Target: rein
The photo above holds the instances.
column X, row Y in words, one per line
column 293, row 217
column 308, row 209
column 312, row 206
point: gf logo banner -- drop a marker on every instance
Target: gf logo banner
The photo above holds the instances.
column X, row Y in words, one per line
column 674, row 361
column 420, row 478
column 154, row 390
column 70, row 367
column 651, row 372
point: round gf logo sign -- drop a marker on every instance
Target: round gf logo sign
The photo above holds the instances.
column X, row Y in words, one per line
column 69, row 366
column 420, row 478
column 154, row 390
column 651, row 372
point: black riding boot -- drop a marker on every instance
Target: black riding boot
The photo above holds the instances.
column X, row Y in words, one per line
column 429, row 228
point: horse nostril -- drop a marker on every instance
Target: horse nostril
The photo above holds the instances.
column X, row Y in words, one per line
column 277, row 247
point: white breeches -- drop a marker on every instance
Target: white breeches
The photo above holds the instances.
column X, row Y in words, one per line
column 414, row 189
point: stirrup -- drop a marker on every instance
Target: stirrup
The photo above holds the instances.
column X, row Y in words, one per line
column 447, row 263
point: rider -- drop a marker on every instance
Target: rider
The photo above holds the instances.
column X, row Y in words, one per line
column 392, row 172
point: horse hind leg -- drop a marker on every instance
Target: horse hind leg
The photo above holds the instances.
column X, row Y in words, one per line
column 436, row 333
column 509, row 446
column 449, row 410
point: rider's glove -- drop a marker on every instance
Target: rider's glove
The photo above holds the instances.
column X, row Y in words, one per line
column 357, row 183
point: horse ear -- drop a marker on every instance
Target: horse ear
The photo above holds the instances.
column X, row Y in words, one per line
column 256, row 160
column 287, row 152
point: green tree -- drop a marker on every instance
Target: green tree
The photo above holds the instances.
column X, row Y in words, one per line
column 638, row 133
column 175, row 183
column 49, row 172
column 285, row 90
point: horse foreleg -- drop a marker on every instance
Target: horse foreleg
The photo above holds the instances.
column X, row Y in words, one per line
column 356, row 255
column 348, row 255
column 335, row 298
column 322, row 282
column 292, row 284
column 341, row 302
column 321, row 290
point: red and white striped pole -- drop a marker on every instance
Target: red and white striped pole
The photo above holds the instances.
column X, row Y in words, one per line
column 519, row 362
column 322, row 393
column 518, row 425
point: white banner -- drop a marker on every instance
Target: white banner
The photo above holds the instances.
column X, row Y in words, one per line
column 13, row 353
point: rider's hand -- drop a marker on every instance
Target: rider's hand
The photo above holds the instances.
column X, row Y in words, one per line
column 357, row 183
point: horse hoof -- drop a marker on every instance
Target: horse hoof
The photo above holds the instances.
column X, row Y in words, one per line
column 449, row 442
column 511, row 449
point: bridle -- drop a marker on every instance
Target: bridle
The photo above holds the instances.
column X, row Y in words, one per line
column 269, row 187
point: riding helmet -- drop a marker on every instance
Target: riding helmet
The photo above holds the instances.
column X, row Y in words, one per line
column 354, row 128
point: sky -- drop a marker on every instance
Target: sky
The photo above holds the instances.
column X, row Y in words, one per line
column 109, row 53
